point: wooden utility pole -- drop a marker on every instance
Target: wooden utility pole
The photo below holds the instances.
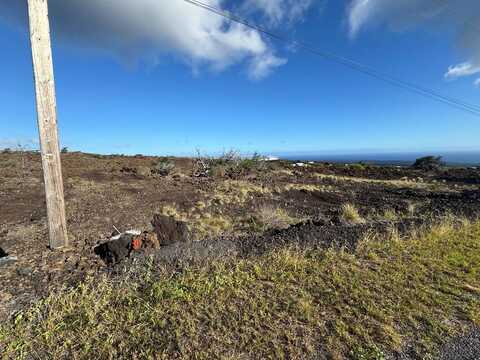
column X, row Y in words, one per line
column 47, row 121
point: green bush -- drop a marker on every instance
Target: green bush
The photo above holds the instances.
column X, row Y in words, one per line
column 230, row 164
column 429, row 163
column 359, row 166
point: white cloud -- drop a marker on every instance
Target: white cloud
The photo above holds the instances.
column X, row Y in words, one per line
column 463, row 69
column 477, row 83
column 359, row 12
column 463, row 17
column 263, row 66
column 147, row 29
column 280, row 11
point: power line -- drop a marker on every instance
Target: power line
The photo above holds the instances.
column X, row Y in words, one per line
column 474, row 109
column 355, row 65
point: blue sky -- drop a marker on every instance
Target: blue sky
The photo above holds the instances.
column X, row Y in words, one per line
column 172, row 96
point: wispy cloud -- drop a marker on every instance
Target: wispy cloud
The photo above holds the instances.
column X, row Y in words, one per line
column 463, row 69
column 134, row 30
column 477, row 83
column 463, row 17
column 280, row 11
column 261, row 67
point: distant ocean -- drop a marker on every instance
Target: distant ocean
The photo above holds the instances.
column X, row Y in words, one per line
column 470, row 158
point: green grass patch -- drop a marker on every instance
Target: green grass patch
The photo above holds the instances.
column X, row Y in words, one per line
column 286, row 304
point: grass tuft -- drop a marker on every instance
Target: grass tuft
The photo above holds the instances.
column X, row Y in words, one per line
column 269, row 217
column 350, row 214
column 390, row 215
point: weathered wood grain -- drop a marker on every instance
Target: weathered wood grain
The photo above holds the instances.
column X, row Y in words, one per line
column 47, row 121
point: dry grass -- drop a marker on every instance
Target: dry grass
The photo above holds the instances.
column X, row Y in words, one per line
column 350, row 214
column 202, row 223
column 206, row 220
column 403, row 183
column 271, row 217
column 237, row 192
column 286, row 304
column 218, row 212
column 307, row 187
column 411, row 208
column 390, row 215
column 286, row 172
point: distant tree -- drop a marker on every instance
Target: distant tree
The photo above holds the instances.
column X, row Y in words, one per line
column 7, row 151
column 428, row 163
column 65, row 150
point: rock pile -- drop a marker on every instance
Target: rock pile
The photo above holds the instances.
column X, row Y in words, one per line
column 166, row 231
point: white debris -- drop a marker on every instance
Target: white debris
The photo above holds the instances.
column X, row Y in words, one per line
column 8, row 259
column 128, row 232
column 271, row 158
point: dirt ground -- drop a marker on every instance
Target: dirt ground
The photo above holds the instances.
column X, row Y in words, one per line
column 280, row 204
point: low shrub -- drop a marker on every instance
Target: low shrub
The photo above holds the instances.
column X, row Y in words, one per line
column 358, row 166
column 429, row 163
column 164, row 167
column 230, row 164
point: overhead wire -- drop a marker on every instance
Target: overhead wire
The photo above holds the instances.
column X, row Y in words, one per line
column 355, row 65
